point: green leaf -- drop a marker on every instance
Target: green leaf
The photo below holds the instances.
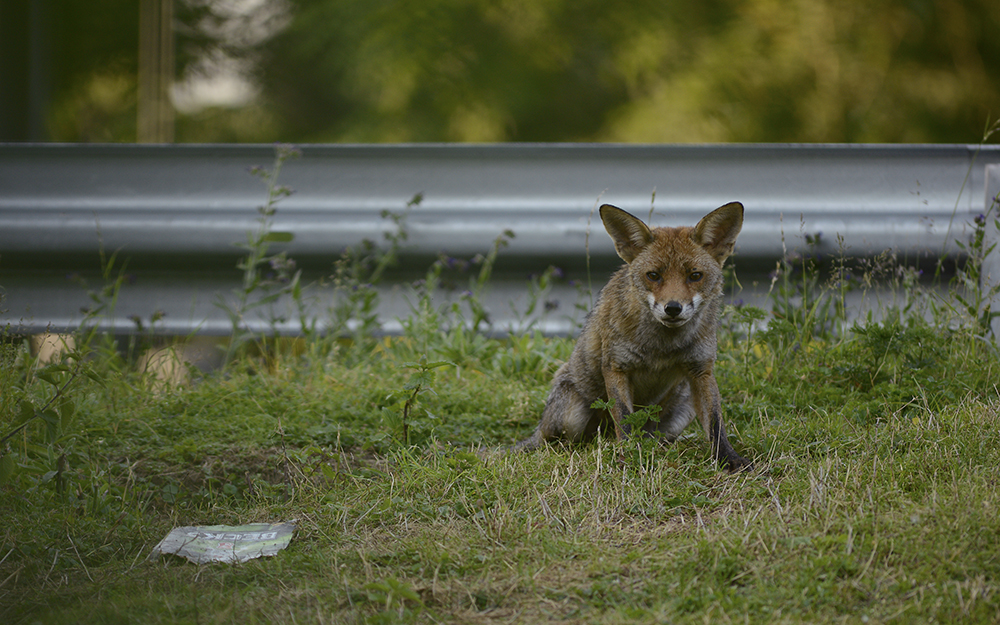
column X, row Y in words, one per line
column 27, row 413
column 279, row 237
column 427, row 366
column 51, row 419
column 96, row 377
column 421, row 379
column 8, row 464
column 601, row 404
column 67, row 410
column 48, row 377
column 438, row 364
column 49, row 416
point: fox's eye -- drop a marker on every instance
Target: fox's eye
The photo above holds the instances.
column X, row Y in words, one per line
column 654, row 276
column 694, row 276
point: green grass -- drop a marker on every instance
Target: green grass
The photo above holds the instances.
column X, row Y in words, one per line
column 874, row 496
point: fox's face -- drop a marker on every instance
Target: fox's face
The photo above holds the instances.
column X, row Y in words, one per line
column 678, row 270
column 675, row 291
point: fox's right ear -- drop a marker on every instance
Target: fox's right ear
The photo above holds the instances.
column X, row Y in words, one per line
column 629, row 233
column 717, row 231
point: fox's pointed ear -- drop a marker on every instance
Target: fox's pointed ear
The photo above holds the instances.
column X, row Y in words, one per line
column 717, row 231
column 629, row 233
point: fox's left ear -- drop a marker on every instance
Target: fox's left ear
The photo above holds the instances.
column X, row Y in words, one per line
column 717, row 231
column 628, row 232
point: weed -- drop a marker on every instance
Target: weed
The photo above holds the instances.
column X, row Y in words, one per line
column 356, row 273
column 398, row 417
column 973, row 294
column 43, row 393
column 538, row 306
column 635, row 420
column 260, row 288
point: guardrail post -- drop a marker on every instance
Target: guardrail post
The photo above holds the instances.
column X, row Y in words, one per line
column 990, row 275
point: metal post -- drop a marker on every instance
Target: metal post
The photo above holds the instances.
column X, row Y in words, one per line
column 990, row 276
column 156, row 72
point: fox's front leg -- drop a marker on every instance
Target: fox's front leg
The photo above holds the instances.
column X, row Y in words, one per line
column 620, row 396
column 707, row 405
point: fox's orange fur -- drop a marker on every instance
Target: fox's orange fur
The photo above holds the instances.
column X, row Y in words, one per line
column 651, row 338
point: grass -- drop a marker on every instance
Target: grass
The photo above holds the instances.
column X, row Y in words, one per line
column 892, row 520
column 874, row 498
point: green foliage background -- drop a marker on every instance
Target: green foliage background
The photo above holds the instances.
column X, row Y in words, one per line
column 552, row 70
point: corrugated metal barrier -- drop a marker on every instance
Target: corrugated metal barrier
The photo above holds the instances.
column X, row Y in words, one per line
column 175, row 214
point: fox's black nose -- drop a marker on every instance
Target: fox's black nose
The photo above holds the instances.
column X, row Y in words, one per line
column 673, row 308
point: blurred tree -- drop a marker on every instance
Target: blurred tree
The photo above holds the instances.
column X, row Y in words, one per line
column 823, row 70
column 548, row 70
column 90, row 64
column 463, row 70
column 72, row 46
column 636, row 70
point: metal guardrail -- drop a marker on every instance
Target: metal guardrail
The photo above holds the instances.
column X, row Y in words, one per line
column 176, row 212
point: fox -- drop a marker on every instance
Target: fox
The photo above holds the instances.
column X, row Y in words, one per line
column 650, row 338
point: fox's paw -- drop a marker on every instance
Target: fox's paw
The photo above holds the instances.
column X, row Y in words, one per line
column 531, row 443
column 738, row 464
